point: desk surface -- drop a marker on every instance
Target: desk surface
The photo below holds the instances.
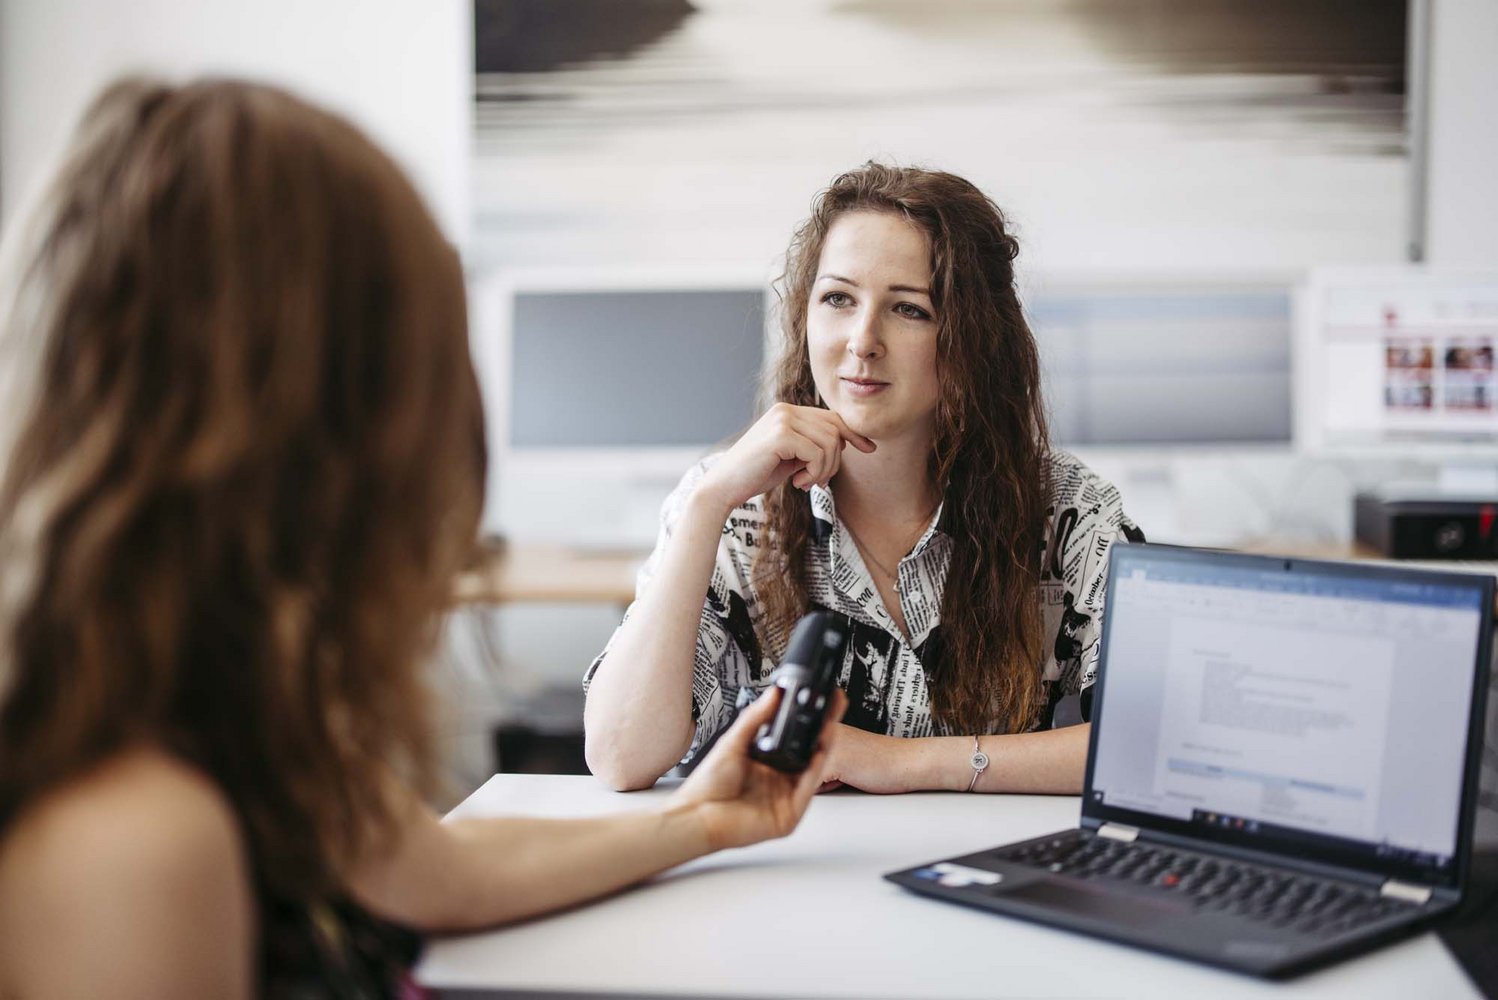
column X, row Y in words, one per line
column 809, row 916
column 1359, row 551
column 523, row 571
column 529, row 571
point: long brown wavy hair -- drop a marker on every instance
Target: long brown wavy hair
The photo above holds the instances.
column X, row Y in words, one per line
column 251, row 460
column 989, row 458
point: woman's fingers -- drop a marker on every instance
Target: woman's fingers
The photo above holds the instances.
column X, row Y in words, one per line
column 825, row 434
column 757, row 713
column 811, row 780
column 828, row 432
column 808, row 440
column 848, row 434
column 801, row 443
column 832, row 434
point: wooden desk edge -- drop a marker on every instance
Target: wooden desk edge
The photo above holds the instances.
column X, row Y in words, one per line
column 532, row 572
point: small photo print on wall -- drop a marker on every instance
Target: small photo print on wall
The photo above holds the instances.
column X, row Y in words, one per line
column 1406, row 353
column 1468, row 374
column 1409, row 374
column 1465, row 391
column 1469, row 354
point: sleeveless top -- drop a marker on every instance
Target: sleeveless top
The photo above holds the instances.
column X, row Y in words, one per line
column 333, row 950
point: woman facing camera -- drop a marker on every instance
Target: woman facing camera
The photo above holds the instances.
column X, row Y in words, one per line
column 902, row 480
column 249, row 463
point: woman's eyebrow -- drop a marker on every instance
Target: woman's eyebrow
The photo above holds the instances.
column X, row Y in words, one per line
column 894, row 288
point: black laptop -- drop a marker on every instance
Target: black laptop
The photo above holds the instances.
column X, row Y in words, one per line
column 1283, row 765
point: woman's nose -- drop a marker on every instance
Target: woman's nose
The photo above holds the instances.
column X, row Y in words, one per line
column 864, row 340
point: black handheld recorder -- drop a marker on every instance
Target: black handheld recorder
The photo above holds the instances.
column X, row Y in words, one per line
column 807, row 677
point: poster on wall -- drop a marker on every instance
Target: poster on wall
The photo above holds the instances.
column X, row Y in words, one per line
column 1170, row 136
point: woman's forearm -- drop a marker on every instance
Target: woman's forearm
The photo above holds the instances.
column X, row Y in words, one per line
column 638, row 718
column 477, row 873
column 1050, row 762
column 555, row 863
column 481, row 872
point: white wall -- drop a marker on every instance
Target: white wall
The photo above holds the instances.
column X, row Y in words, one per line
column 402, row 69
column 1462, row 189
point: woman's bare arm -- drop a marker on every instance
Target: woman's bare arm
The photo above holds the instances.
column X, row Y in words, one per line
column 638, row 718
column 1051, row 762
column 477, row 873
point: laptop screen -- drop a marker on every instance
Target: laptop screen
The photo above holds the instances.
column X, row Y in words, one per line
column 1280, row 700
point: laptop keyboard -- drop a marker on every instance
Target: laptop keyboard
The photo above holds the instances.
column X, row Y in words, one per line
column 1274, row 896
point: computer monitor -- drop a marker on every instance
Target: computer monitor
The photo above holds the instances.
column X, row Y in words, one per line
column 1162, row 363
column 602, row 387
column 1399, row 363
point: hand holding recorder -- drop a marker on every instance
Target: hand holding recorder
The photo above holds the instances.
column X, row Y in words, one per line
column 808, row 679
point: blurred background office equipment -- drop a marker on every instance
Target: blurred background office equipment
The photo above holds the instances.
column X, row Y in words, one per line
column 604, row 386
column 1400, row 361
column 1176, row 168
column 1212, row 360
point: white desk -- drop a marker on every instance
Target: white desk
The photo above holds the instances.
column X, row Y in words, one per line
column 808, row 916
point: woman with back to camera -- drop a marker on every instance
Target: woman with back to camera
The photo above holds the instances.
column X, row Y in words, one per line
column 249, row 463
column 904, row 480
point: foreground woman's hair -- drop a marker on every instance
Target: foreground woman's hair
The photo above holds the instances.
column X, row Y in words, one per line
column 252, row 459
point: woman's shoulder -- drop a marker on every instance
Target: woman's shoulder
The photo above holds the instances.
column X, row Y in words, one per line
column 1084, row 493
column 1071, row 477
column 142, row 856
column 141, row 801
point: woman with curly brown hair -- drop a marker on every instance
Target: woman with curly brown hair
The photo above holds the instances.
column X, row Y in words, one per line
column 248, row 465
column 903, row 479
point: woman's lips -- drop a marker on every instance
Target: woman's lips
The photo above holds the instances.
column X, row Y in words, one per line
column 864, row 387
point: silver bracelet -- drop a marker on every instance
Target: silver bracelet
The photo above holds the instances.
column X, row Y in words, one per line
column 979, row 760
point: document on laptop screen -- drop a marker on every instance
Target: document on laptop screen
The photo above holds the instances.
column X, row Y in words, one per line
column 1325, row 704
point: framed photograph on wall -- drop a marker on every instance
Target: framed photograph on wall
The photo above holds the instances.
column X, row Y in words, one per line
column 1172, row 136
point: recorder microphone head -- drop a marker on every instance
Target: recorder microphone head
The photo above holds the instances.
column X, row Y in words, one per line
column 807, row 677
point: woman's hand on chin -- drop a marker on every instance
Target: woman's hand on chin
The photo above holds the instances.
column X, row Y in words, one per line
column 801, row 443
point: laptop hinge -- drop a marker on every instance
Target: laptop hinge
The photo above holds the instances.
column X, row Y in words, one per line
column 1117, row 831
column 1403, row 890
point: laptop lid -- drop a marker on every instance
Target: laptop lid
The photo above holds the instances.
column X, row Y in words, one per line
column 1318, row 710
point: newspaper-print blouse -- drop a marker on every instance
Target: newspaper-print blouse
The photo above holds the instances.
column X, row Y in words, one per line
column 882, row 673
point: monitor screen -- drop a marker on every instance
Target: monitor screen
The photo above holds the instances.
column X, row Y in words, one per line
column 1164, row 363
column 602, row 387
column 633, row 368
column 1299, row 701
column 1398, row 359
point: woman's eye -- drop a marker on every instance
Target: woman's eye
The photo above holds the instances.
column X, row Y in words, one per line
column 910, row 311
column 837, row 299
